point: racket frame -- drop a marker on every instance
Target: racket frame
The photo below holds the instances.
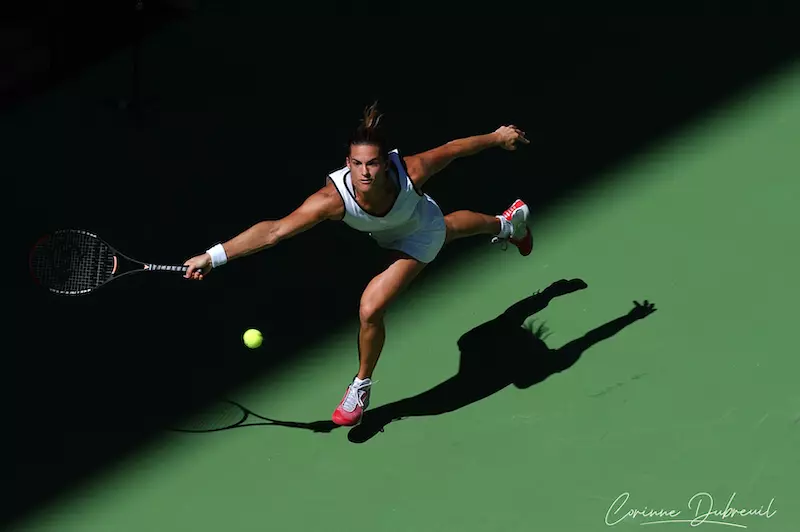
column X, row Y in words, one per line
column 117, row 263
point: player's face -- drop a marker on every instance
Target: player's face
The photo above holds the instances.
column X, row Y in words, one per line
column 367, row 167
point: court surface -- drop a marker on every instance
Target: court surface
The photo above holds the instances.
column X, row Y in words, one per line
column 696, row 402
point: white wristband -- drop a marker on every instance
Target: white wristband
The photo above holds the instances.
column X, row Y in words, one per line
column 218, row 256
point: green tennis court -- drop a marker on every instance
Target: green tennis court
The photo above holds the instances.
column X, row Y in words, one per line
column 696, row 401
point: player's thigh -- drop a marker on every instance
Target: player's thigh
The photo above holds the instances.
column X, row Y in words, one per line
column 388, row 284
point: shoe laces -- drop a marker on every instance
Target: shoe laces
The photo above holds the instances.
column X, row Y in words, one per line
column 355, row 397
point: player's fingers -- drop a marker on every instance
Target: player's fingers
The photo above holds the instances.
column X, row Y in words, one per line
column 189, row 271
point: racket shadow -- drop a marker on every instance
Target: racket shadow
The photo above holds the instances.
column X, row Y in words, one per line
column 496, row 354
column 227, row 415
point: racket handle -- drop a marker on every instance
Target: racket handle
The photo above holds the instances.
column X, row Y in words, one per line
column 163, row 268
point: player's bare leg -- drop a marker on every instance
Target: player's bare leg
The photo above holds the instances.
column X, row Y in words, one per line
column 375, row 300
column 511, row 226
column 461, row 224
column 380, row 292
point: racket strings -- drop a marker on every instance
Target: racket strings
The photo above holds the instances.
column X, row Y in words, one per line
column 72, row 262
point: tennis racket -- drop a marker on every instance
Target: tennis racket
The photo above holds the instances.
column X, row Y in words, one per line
column 74, row 262
column 225, row 415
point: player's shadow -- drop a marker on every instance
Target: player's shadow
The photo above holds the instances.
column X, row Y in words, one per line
column 496, row 354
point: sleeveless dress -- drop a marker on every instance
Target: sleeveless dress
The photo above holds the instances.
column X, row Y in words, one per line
column 414, row 225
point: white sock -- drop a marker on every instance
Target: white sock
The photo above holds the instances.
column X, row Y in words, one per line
column 357, row 381
column 505, row 227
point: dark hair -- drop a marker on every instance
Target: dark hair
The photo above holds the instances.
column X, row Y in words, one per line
column 370, row 130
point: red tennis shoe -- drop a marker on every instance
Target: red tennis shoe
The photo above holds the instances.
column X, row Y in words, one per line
column 517, row 214
column 353, row 404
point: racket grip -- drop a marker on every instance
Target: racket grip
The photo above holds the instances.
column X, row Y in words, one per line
column 167, row 268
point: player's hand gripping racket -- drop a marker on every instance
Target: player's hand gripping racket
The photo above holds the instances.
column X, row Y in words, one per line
column 74, row 262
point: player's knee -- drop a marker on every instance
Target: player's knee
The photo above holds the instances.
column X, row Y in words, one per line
column 370, row 310
column 452, row 231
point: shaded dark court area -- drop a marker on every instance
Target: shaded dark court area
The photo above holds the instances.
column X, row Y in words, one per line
column 224, row 114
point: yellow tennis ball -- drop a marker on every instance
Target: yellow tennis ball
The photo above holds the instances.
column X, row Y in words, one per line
column 252, row 338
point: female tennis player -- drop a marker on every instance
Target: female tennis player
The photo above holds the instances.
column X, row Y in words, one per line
column 379, row 192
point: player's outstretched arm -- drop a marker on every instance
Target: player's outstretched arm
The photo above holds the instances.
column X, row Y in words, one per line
column 325, row 204
column 423, row 166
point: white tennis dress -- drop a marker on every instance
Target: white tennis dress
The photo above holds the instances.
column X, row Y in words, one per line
column 414, row 225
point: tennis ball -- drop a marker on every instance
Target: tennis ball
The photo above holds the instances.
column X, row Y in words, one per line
column 252, row 338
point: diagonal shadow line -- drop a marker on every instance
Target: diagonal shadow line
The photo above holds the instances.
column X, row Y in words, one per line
column 494, row 355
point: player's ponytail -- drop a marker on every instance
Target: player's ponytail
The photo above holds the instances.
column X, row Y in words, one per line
column 370, row 129
column 372, row 117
